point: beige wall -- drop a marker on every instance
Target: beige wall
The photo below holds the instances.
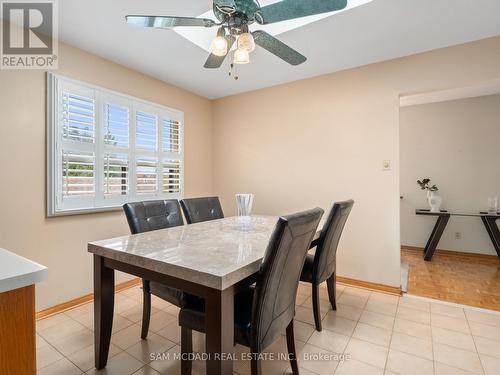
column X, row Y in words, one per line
column 456, row 144
column 60, row 243
column 314, row 141
column 295, row 146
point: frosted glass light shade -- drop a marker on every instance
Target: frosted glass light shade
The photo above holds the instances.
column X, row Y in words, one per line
column 246, row 42
column 241, row 56
column 219, row 46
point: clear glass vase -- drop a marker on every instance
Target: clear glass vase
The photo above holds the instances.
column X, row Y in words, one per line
column 244, row 203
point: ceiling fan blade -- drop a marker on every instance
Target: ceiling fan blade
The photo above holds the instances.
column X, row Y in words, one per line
column 290, row 9
column 225, row 3
column 166, row 22
column 213, row 61
column 278, row 48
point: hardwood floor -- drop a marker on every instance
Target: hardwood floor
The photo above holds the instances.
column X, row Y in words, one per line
column 465, row 279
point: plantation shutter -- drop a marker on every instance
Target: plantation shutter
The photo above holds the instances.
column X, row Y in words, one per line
column 106, row 148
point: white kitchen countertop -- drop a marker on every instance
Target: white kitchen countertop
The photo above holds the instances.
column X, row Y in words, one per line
column 17, row 271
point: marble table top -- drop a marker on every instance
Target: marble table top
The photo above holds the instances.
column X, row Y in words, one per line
column 216, row 253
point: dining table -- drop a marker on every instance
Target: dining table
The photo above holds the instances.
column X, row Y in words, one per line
column 213, row 260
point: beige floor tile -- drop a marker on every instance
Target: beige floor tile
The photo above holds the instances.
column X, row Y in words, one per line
column 329, row 340
column 172, row 310
column 87, row 308
column 85, row 360
column 324, row 305
column 491, row 365
column 375, row 335
column 418, row 316
column 442, row 369
column 385, row 298
column 159, row 303
column 168, row 363
column 302, row 371
column 363, row 293
column 40, row 342
column 172, row 332
column 340, row 325
column 354, row 367
column 146, row 370
column 123, row 303
column 46, row 356
column 446, row 322
column 135, row 290
column 301, row 299
column 485, row 330
column 381, row 307
column 348, row 312
column 74, row 342
column 154, row 344
column 367, row 352
column 412, row 328
column 119, row 322
column 135, row 313
column 121, row 364
column 453, row 338
column 407, row 364
column 452, row 311
column 487, row 346
column 305, row 314
column 51, row 321
column 160, row 320
column 482, row 317
column 60, row 367
column 317, row 360
column 459, row 358
column 304, row 288
column 61, row 330
column 127, row 337
column 415, row 304
column 377, row 320
column 412, row 345
column 352, row 300
column 303, row 331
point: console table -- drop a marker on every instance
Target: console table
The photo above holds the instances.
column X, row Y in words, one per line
column 489, row 221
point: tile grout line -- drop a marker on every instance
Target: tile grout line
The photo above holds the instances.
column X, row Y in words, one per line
column 390, row 340
column 475, row 345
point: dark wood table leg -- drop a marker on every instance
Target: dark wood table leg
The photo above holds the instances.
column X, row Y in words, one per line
column 491, row 227
column 219, row 339
column 436, row 234
column 104, row 301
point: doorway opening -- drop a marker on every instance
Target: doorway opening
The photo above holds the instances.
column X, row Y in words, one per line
column 450, row 239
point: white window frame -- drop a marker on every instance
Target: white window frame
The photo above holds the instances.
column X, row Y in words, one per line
column 59, row 206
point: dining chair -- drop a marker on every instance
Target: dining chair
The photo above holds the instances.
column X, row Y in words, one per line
column 264, row 311
column 148, row 216
column 321, row 266
column 197, row 210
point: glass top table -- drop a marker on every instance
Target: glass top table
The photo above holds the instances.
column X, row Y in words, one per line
column 489, row 221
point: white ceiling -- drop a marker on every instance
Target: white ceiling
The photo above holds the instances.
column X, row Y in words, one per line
column 378, row 31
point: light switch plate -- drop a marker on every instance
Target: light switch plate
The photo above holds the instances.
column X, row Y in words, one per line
column 386, row 165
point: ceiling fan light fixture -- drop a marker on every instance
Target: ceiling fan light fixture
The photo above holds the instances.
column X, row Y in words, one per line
column 241, row 56
column 246, row 42
column 219, row 46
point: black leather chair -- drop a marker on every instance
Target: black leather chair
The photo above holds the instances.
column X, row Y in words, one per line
column 197, row 210
column 320, row 267
column 145, row 217
column 263, row 312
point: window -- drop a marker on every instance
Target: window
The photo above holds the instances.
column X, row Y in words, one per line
column 107, row 148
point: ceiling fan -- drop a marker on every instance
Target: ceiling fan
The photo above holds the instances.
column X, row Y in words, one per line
column 234, row 17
